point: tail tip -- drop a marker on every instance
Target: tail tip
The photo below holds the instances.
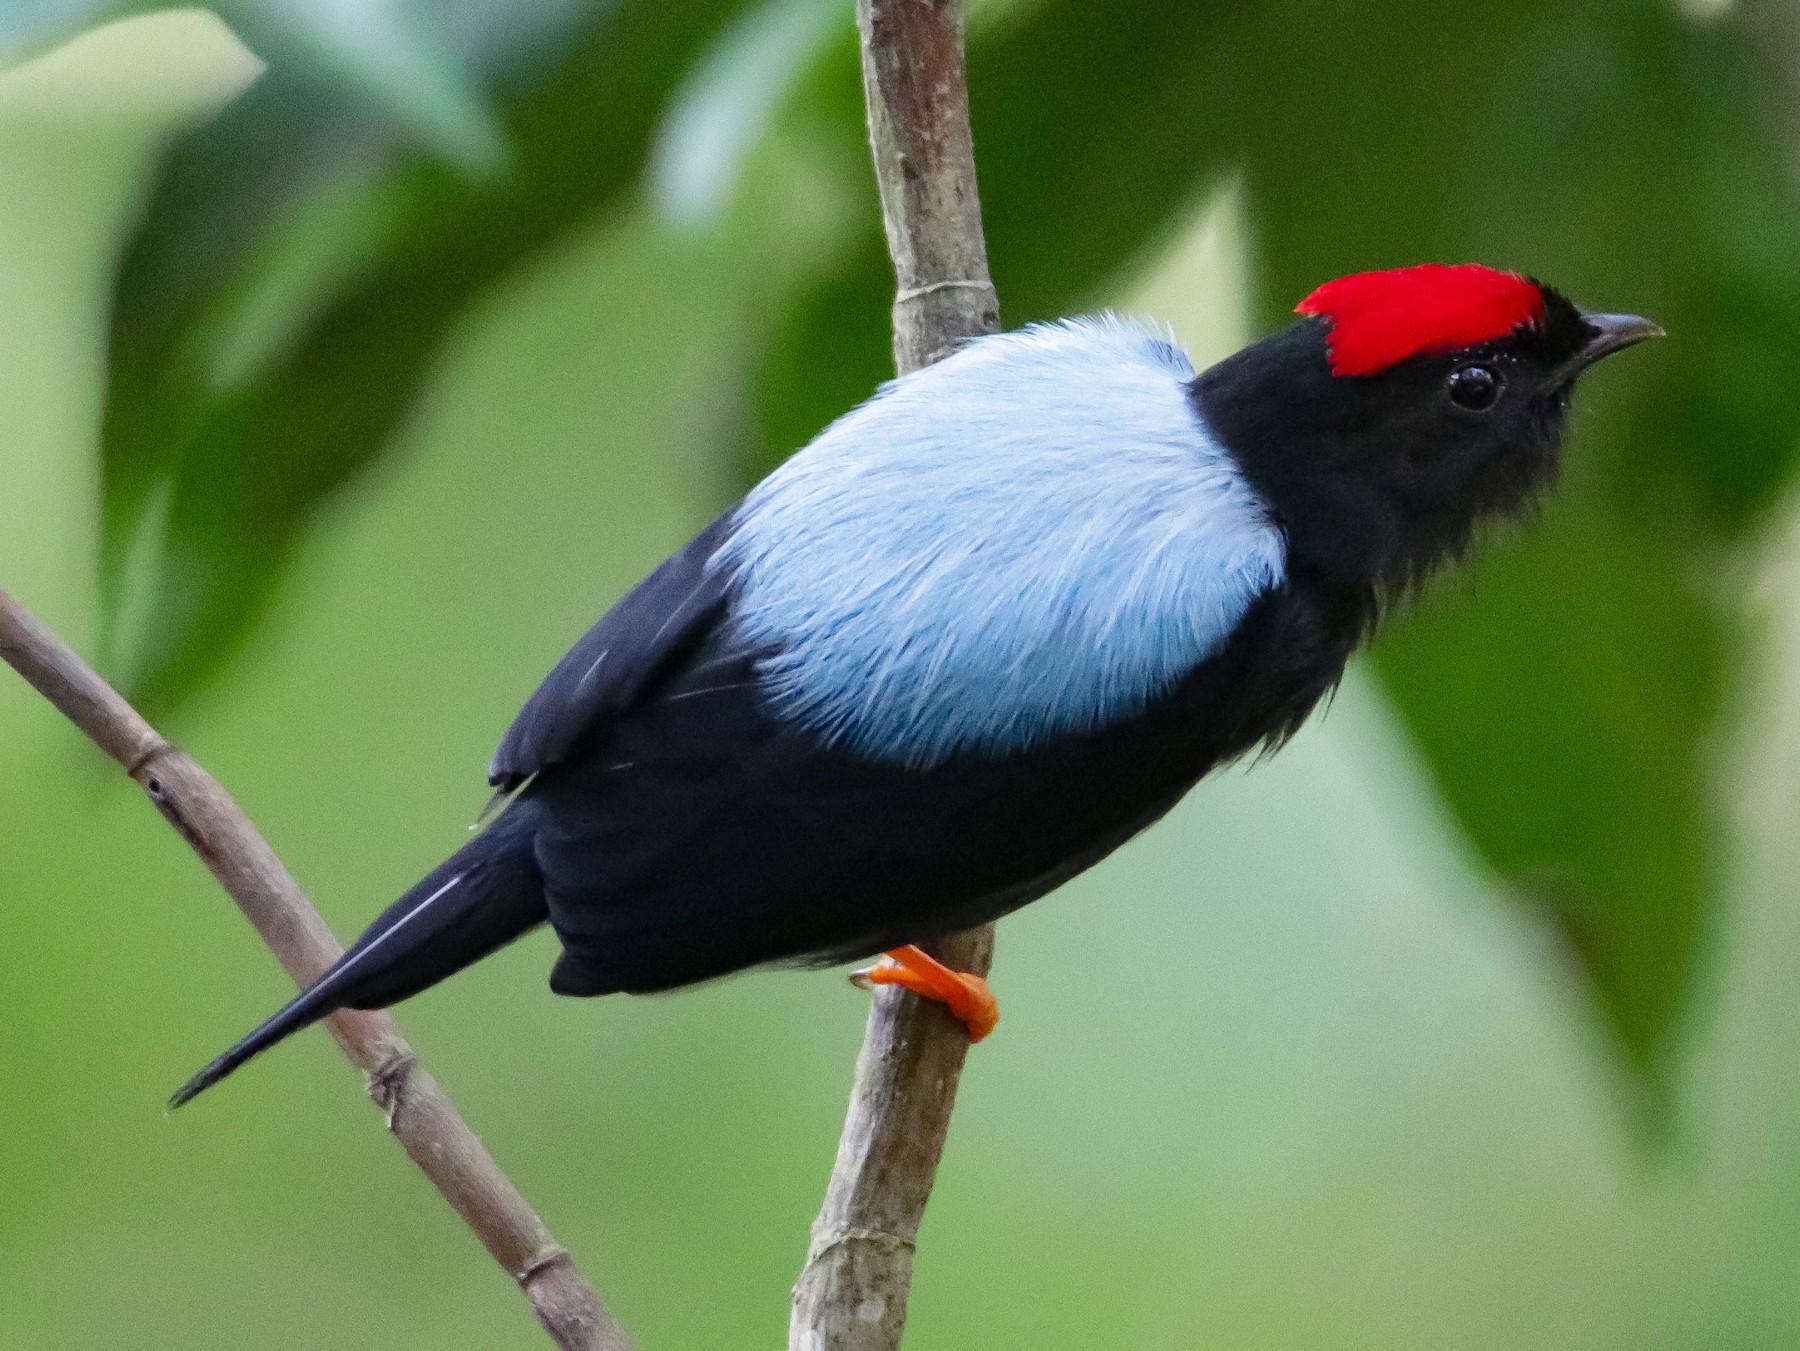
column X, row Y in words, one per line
column 304, row 1009
column 202, row 1081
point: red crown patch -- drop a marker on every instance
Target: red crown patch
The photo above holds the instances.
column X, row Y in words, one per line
column 1380, row 318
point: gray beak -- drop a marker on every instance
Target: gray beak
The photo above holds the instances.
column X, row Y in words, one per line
column 1612, row 333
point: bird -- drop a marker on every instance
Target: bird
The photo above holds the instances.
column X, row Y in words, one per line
column 985, row 628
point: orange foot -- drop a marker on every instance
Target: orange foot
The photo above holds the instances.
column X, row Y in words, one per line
column 967, row 997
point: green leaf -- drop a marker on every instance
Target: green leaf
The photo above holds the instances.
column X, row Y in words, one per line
column 724, row 105
column 1565, row 695
column 390, row 54
column 1564, row 691
column 298, row 268
column 29, row 26
column 1563, row 700
column 383, row 50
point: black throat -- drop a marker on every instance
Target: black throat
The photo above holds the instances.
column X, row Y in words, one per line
column 1377, row 481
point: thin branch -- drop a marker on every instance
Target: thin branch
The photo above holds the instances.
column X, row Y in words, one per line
column 917, row 93
column 851, row 1295
column 419, row 1113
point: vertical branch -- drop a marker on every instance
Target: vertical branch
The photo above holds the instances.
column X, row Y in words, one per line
column 419, row 1112
column 851, row 1295
column 916, row 89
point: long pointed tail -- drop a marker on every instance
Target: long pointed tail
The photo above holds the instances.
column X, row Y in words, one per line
column 482, row 897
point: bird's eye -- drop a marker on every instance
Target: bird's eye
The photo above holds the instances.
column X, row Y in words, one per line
column 1475, row 387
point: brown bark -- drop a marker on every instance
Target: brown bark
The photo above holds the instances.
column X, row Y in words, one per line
column 852, row 1292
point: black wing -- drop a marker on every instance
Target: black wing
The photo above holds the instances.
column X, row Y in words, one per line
column 618, row 661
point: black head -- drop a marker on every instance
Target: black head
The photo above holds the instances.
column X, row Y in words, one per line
column 1406, row 408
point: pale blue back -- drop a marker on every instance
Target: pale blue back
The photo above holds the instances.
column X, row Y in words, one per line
column 1036, row 535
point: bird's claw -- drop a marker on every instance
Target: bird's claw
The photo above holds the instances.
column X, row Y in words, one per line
column 967, row 996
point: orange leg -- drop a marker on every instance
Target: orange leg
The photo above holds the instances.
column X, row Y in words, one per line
column 967, row 997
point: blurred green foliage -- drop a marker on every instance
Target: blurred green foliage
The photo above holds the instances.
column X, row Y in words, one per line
column 545, row 283
column 305, row 254
column 298, row 267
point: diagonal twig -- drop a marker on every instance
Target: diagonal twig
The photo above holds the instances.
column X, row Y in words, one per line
column 851, row 1295
column 419, row 1112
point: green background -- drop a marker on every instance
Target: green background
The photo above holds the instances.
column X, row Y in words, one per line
column 1287, row 1072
